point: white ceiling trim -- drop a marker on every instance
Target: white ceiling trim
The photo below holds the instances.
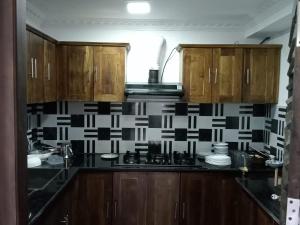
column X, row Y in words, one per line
column 133, row 24
column 266, row 17
column 274, row 14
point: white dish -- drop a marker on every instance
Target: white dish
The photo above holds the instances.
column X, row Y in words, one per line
column 221, row 152
column 55, row 160
column 221, row 144
column 42, row 156
column 33, row 161
column 221, row 147
column 274, row 163
column 218, row 160
column 109, row 156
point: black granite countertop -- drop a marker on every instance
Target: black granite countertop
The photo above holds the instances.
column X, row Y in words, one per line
column 261, row 190
column 39, row 200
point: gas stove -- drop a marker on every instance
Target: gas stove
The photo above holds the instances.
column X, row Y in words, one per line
column 176, row 158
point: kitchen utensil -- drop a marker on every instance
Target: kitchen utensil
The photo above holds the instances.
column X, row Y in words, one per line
column 109, row 156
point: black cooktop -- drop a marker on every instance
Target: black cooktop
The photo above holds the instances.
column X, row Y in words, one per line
column 158, row 159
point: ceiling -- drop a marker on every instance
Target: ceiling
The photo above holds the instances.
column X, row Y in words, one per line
column 234, row 14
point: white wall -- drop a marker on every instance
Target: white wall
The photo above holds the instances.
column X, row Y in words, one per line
column 142, row 42
column 284, row 66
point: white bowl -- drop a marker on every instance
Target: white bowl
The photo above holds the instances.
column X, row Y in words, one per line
column 221, row 144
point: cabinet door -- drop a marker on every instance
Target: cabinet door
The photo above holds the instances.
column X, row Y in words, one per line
column 197, row 71
column 59, row 211
column 49, row 72
column 261, row 74
column 109, row 73
column 200, row 199
column 193, row 199
column 228, row 69
column 129, row 194
column 35, row 68
column 163, row 199
column 262, row 218
column 93, row 202
column 246, row 214
column 80, row 73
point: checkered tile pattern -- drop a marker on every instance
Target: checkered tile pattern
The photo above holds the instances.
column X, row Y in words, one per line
column 274, row 132
column 117, row 127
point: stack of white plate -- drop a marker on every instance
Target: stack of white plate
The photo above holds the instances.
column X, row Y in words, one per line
column 218, row 160
column 221, row 148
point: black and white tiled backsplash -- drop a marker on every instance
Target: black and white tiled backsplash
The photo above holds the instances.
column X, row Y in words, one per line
column 117, row 127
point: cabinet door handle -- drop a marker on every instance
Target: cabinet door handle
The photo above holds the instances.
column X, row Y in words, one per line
column 248, row 76
column 35, row 68
column 209, row 75
column 183, row 210
column 115, row 208
column 107, row 209
column 216, row 75
column 96, row 73
column 65, row 220
column 32, row 68
column 49, row 72
column 176, row 209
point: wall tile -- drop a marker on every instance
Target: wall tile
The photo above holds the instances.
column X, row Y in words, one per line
column 118, row 127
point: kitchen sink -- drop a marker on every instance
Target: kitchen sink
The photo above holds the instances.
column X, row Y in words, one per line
column 38, row 179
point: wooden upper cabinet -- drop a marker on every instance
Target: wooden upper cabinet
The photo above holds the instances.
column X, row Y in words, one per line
column 79, row 73
column 228, row 69
column 261, row 75
column 231, row 73
column 129, row 195
column 35, row 68
column 197, row 74
column 49, row 72
column 163, row 198
column 109, row 73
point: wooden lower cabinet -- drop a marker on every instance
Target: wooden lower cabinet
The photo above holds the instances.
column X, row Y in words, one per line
column 129, row 194
column 207, row 198
column 146, row 198
column 163, row 198
column 60, row 211
column 249, row 212
column 92, row 204
column 155, row 198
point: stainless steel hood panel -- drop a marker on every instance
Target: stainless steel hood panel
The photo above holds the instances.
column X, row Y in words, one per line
column 146, row 89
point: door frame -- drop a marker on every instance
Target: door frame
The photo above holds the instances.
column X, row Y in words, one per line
column 13, row 168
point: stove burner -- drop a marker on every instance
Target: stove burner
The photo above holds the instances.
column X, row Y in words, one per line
column 184, row 158
column 154, row 158
column 131, row 157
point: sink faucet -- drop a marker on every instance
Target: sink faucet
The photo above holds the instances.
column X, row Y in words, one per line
column 67, row 153
column 66, row 150
column 244, row 168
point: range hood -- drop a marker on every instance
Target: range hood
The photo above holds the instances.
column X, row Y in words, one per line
column 154, row 91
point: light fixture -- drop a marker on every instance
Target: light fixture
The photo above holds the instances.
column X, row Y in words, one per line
column 140, row 7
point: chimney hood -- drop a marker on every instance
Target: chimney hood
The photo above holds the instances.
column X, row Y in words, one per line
column 154, row 91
